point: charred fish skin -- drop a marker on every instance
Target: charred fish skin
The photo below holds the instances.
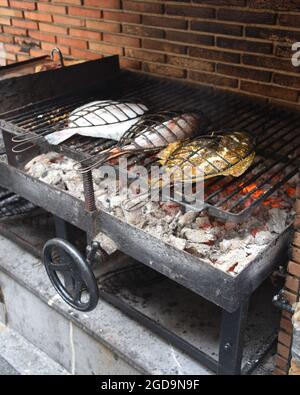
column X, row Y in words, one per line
column 213, row 155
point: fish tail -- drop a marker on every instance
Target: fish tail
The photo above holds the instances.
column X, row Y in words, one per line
column 60, row 136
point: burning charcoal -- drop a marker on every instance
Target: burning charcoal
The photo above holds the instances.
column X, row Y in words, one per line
column 228, row 262
column 263, row 237
column 187, row 218
column 229, row 225
column 153, row 208
column 177, row 242
column 102, row 201
column 43, row 159
column 158, row 213
column 156, row 231
column 198, row 236
column 97, row 177
column 133, row 217
column 36, row 170
column 51, row 177
column 203, row 222
column 277, row 220
column 118, row 212
column 231, row 244
column 198, row 249
column 116, row 201
column 254, row 249
column 235, row 243
column 171, row 208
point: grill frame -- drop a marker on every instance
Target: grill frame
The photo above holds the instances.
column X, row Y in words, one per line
column 274, row 121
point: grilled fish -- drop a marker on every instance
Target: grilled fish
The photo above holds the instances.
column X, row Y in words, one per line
column 214, row 155
column 145, row 136
column 101, row 119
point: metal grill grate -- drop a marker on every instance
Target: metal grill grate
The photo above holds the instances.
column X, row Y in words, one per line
column 11, row 204
column 276, row 132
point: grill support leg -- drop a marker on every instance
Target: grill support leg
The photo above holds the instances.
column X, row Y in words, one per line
column 232, row 339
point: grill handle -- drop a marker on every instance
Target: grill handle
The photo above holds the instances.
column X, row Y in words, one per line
column 70, row 274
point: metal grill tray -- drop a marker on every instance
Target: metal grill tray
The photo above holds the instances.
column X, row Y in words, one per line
column 276, row 131
column 188, row 270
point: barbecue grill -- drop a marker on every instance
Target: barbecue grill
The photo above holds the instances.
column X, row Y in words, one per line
column 277, row 139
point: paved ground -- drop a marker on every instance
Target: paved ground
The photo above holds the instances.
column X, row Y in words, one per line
column 18, row 356
column 6, row 368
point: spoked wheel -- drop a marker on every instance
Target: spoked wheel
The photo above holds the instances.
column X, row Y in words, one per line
column 70, row 274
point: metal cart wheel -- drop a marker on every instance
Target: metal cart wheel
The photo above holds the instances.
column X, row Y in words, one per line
column 70, row 274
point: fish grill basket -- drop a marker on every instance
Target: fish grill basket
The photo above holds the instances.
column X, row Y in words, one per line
column 97, row 113
column 153, row 132
column 116, row 112
column 216, row 157
column 162, row 124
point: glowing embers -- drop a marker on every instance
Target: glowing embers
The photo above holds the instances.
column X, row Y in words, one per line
column 259, row 185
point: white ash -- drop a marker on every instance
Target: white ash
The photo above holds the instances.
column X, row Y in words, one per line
column 201, row 222
column 177, row 242
column 277, row 220
column 57, row 170
column 230, row 260
column 198, row 249
column 187, row 218
column 198, row 235
column 263, row 237
column 226, row 245
column 235, row 243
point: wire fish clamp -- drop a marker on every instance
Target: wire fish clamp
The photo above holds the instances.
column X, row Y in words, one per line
column 153, row 132
column 79, row 117
column 215, row 154
column 202, row 158
column 23, row 141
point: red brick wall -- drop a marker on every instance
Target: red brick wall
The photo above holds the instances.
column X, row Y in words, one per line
column 292, row 287
column 240, row 45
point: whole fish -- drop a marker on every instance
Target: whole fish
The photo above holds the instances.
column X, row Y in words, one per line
column 101, row 119
column 214, row 155
column 154, row 131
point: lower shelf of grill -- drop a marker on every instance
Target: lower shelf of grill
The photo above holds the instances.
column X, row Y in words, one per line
column 189, row 316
